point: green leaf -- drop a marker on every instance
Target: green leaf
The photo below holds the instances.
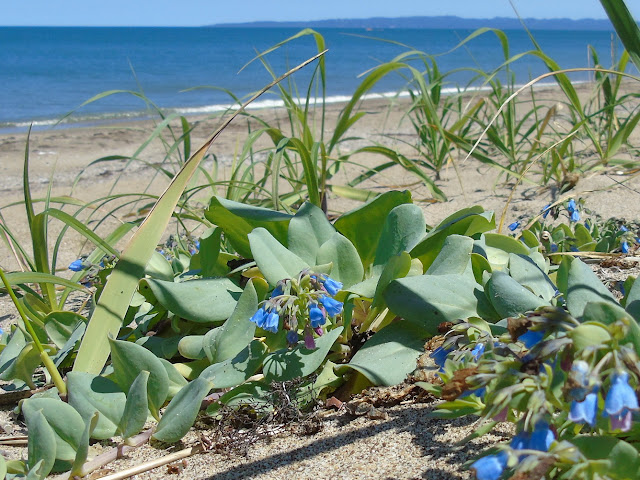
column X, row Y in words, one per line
column 428, row 300
column 136, row 407
column 159, row 267
column 23, row 366
column 286, row 364
column 347, row 266
column 128, row 360
column 182, row 411
column 396, row 267
column 362, row 225
column 191, row 347
column 16, row 343
column 60, row 325
column 608, row 313
column 209, row 253
column 83, row 451
column 238, row 220
column 234, row 371
column 3, row 467
column 89, row 393
column 237, row 332
column 498, row 247
column 254, row 394
column 622, row 458
column 509, row 298
column 185, row 299
column 454, row 257
column 41, row 446
column 527, row 273
column 469, row 222
column 176, row 381
column 403, row 228
column 308, row 230
column 391, row 354
column 583, row 286
column 274, row 260
column 67, row 424
column 587, row 335
column 632, row 305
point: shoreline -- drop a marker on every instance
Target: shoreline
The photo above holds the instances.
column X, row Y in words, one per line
column 114, row 118
column 65, row 162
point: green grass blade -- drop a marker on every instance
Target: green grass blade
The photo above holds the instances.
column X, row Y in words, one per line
column 123, row 281
column 625, row 26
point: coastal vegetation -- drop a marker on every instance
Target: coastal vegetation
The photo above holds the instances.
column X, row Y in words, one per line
column 268, row 283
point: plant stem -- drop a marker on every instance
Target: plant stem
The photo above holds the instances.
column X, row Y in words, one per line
column 46, row 360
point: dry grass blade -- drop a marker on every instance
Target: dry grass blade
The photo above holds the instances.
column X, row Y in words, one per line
column 158, row 462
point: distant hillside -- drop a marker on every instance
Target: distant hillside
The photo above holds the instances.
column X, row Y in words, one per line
column 444, row 22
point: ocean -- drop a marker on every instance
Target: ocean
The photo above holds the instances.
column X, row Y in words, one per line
column 49, row 72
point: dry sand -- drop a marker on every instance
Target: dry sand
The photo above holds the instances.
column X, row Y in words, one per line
column 407, row 444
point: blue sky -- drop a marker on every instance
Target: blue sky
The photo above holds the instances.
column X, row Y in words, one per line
column 206, row 12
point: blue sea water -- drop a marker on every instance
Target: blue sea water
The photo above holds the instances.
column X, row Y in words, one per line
column 47, row 72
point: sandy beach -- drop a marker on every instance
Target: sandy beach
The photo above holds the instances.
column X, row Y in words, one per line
column 404, row 442
column 65, row 162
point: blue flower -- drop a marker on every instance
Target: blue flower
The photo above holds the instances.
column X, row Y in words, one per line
column 624, row 247
column 477, row 351
column 554, row 247
column 333, row 307
column 439, row 356
column 277, row 291
column 620, row 400
column 545, row 211
column 332, row 286
column 76, row 266
column 271, row 321
column 259, row 317
column 542, row 437
column 587, row 225
column 585, row 411
column 571, row 206
column 490, row 467
column 292, row 337
column 531, row 338
column 520, row 441
column 575, row 216
column 623, row 228
column 579, row 376
column 513, row 226
column 317, row 316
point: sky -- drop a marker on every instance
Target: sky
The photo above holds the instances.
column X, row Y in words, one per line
column 208, row 12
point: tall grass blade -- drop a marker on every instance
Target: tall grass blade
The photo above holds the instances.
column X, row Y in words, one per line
column 625, row 26
column 123, row 281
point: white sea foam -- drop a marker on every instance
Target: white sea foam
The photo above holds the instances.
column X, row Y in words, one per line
column 112, row 117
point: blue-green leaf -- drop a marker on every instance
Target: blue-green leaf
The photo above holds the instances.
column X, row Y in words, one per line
column 286, row 364
column 308, row 230
column 182, row 411
column 347, row 266
column 273, row 259
column 391, row 354
column 128, row 360
column 136, row 407
column 206, row 300
column 89, row 393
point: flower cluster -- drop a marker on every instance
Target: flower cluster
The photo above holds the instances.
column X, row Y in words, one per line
column 91, row 270
column 619, row 403
column 491, row 467
column 303, row 304
column 574, row 213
